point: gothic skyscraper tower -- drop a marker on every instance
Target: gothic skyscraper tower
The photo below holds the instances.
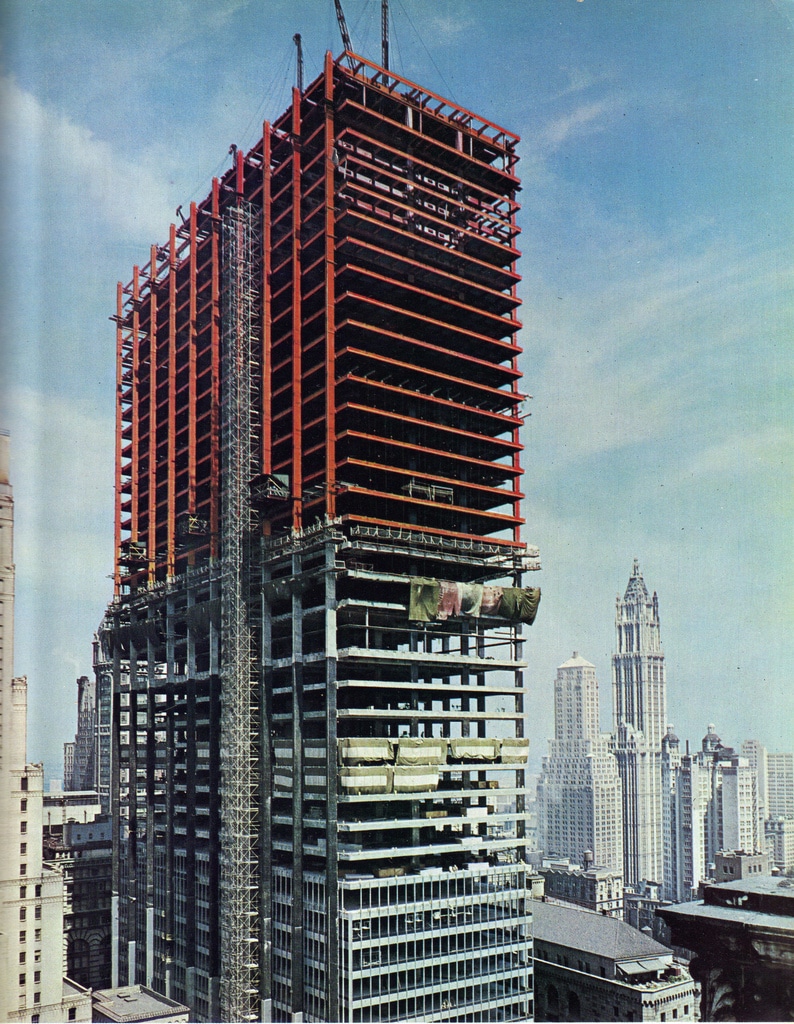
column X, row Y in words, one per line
column 639, row 691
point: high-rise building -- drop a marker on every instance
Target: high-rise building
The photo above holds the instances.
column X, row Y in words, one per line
column 639, row 691
column 780, row 785
column 579, row 792
column 32, row 985
column 80, row 756
column 713, row 808
column 756, row 755
column 315, row 644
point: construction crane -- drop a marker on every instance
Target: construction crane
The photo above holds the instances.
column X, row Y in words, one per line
column 340, row 17
column 384, row 33
column 298, row 41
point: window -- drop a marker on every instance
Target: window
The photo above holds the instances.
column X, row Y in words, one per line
column 22, row 958
column 23, row 913
column 38, row 892
column 675, row 1014
column 23, row 892
column 37, row 977
column 37, row 997
column 23, row 783
column 22, row 979
column 23, row 869
column 23, row 849
column 23, row 826
column 23, row 936
column 37, row 935
column 34, row 1019
column 686, row 1008
column 37, row 913
column 23, row 805
column 72, row 1013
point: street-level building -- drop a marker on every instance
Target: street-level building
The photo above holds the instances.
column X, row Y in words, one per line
column 589, row 967
column 83, row 853
column 742, row 935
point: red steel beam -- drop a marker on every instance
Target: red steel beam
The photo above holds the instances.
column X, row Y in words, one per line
column 267, row 321
column 151, row 536
column 297, row 447
column 171, row 449
column 119, row 442
column 191, row 385
column 215, row 458
column 136, row 414
column 330, row 293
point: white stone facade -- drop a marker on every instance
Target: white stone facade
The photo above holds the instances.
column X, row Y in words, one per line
column 32, row 986
column 579, row 791
column 639, row 690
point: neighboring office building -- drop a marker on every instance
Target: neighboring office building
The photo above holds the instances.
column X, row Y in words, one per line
column 579, row 799
column 742, row 935
column 589, row 967
column 780, row 843
column 593, row 888
column 83, row 852
column 639, row 690
column 136, row 1003
column 32, row 984
column 315, row 639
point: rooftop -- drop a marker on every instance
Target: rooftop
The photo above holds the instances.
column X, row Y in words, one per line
column 577, row 661
column 593, row 933
column 135, row 1003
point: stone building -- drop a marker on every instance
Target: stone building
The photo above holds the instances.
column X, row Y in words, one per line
column 742, row 935
column 639, row 690
column 579, row 792
column 589, row 967
column 593, row 888
column 84, row 854
column 780, row 843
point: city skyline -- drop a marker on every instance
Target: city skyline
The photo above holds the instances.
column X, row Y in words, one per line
column 654, row 213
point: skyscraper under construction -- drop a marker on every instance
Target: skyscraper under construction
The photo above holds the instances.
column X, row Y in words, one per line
column 317, row 765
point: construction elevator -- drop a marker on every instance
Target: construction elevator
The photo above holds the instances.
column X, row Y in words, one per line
column 315, row 647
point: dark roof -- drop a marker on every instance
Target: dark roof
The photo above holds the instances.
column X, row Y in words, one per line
column 592, row 933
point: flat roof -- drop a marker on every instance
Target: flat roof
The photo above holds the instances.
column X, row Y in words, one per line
column 135, row 1003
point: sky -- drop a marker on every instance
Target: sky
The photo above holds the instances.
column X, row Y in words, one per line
column 657, row 228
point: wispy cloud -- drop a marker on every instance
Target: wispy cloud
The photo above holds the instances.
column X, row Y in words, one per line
column 53, row 155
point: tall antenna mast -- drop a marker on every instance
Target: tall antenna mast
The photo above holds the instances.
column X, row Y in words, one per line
column 340, row 17
column 298, row 41
column 384, row 33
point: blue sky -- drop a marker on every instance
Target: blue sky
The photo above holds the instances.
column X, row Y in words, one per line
column 657, row 151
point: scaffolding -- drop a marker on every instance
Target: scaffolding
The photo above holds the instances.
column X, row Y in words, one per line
column 239, row 678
